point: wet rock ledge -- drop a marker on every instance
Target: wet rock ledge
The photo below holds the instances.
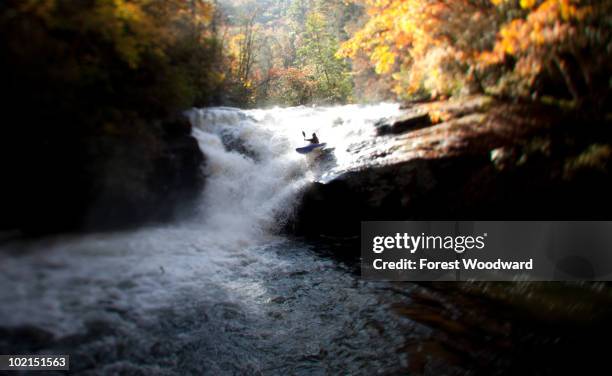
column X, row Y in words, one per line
column 115, row 178
column 474, row 159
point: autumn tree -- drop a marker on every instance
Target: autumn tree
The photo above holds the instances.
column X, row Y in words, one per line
column 317, row 58
column 107, row 42
column 287, row 44
column 291, row 87
column 554, row 41
column 242, row 58
column 504, row 47
column 424, row 46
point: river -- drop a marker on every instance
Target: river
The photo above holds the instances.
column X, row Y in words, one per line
column 222, row 292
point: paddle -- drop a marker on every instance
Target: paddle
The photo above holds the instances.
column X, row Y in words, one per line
column 304, row 134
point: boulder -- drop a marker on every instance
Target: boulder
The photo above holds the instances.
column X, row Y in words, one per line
column 407, row 122
column 148, row 180
column 118, row 176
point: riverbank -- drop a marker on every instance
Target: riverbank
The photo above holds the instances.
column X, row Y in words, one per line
column 116, row 178
column 508, row 328
column 473, row 158
column 92, row 134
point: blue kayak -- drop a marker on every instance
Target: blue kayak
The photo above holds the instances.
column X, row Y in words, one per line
column 309, row 148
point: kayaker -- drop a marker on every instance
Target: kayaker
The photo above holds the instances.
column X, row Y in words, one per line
column 314, row 139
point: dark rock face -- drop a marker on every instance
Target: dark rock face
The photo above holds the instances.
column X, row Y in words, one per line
column 416, row 189
column 178, row 176
column 455, row 188
column 477, row 167
column 103, row 181
column 144, row 183
column 406, row 123
column 238, row 145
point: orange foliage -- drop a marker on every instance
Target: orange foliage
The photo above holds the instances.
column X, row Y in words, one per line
column 446, row 46
column 423, row 44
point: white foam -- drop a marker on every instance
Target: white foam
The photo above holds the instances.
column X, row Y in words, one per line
column 61, row 283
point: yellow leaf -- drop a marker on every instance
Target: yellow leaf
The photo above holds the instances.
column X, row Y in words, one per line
column 527, row 4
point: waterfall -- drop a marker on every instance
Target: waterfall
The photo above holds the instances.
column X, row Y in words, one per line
column 253, row 172
column 222, row 293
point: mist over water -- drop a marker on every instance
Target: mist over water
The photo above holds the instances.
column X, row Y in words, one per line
column 253, row 171
column 222, row 292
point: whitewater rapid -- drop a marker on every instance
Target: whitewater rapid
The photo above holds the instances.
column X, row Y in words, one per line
column 223, row 292
column 253, row 172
